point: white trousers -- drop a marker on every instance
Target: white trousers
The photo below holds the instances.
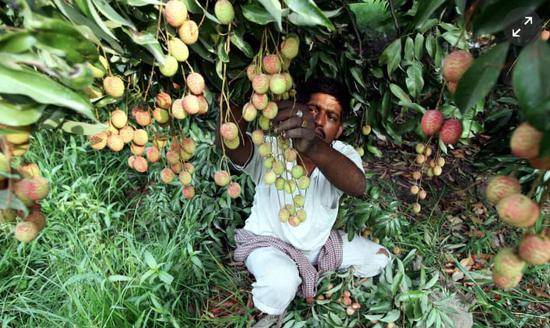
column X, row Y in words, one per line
column 277, row 277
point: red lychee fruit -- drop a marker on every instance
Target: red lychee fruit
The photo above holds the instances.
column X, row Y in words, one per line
column 142, row 117
column 195, row 83
column 525, row 141
column 455, row 64
column 191, row 104
column 260, row 83
column 499, row 187
column 518, row 210
column 271, row 64
column 34, row 189
column 432, row 120
column 506, row 282
column 175, row 12
column 451, row 131
column 163, row 100
column 140, row 164
column 222, row 178
column 234, row 190
column 26, row 231
column 152, row 153
column 535, row 249
column 229, row 130
column 167, row 175
column 188, row 192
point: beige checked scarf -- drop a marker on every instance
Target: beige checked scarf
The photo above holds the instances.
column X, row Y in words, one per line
column 330, row 256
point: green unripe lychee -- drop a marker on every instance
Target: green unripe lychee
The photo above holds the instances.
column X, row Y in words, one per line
column 223, row 9
column 271, row 110
column 290, row 46
column 257, row 137
column 185, row 178
column 170, row 66
column 249, row 112
column 222, row 178
column 297, row 171
column 279, row 183
column 113, row 86
column 269, row 177
column 232, row 144
column 277, row 84
column 278, row 168
column 264, row 122
column 299, row 200
column 303, row 182
column 265, row 149
column 178, row 49
column 189, row 32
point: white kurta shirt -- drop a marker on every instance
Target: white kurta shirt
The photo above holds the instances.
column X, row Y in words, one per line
column 321, row 202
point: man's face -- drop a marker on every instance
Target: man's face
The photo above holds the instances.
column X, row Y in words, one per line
column 328, row 114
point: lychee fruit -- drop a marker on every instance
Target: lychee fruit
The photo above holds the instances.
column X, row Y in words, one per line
column 27, row 171
column 222, row 178
column 284, row 214
column 249, row 112
column 152, row 153
column 142, row 117
column 271, row 110
column 161, row 115
column 188, row 192
column 163, row 100
column 191, row 104
column 26, row 231
column 234, row 190
column 167, row 175
column 140, row 164
column 177, row 110
column 231, row 144
column 451, row 86
column 507, row 263
column 127, row 134
column 251, row 72
column 450, row 131
column 37, row 218
column 185, row 178
column 366, row 130
column 499, row 187
column 277, row 84
column 140, row 137
column 432, row 121
column 223, row 9
column 259, row 101
column 290, row 155
column 203, row 105
column 535, row 249
column 455, row 64
column 189, row 167
column 290, row 46
column 119, row 118
column 131, row 161
column 98, row 141
column 260, row 83
column 269, row 177
column 525, row 141
column 189, row 32
column 518, row 210
column 195, row 83
column 271, row 64
column 264, row 149
column 416, row 208
column 114, row 86
column 178, row 49
column 175, row 12
column 137, row 149
column 297, row 171
column 176, row 168
column 303, row 182
column 264, row 123
column 506, row 282
column 172, row 157
column 229, row 130
column 257, row 137
column 169, row 67
column 115, row 143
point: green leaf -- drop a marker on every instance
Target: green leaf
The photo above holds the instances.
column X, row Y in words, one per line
column 358, row 76
column 391, row 55
column 418, row 46
column 17, row 42
column 409, row 50
column 399, row 93
column 150, row 260
column 148, row 41
column 43, row 89
column 192, row 6
column 391, row 316
column 479, row 79
column 255, row 13
column 140, row 3
column 105, row 8
column 239, row 42
column 19, row 114
column 414, row 80
column 370, row 14
column 310, row 12
column 425, row 10
column 273, row 7
column 530, row 79
column 500, row 14
column 98, row 20
column 81, row 128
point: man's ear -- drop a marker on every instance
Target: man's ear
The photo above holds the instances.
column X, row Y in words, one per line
column 339, row 133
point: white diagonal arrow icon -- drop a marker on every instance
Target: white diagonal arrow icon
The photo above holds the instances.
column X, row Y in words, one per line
column 528, row 20
column 515, row 33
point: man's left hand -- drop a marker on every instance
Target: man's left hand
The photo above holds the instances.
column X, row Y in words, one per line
column 300, row 127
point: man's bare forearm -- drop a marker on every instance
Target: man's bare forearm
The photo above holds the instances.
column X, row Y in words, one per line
column 241, row 153
column 338, row 169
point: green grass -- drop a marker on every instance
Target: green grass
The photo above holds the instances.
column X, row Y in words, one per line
column 120, row 250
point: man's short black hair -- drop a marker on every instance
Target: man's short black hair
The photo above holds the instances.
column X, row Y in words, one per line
column 328, row 86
